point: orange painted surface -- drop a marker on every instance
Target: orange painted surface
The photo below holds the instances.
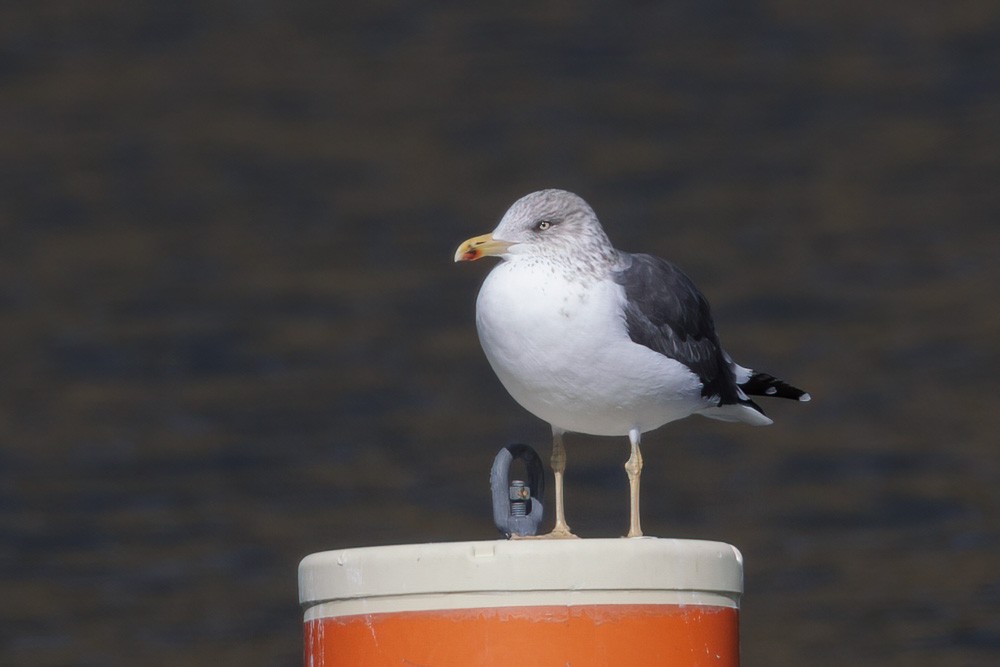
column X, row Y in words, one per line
column 551, row 636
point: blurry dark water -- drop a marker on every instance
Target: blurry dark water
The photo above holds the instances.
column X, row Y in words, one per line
column 232, row 333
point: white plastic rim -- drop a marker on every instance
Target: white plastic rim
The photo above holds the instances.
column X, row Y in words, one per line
column 502, row 573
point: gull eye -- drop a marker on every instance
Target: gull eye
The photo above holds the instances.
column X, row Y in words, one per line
column 543, row 225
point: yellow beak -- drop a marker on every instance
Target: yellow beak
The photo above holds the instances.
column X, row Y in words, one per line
column 480, row 246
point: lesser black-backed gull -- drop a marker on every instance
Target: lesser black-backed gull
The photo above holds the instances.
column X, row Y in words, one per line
column 595, row 340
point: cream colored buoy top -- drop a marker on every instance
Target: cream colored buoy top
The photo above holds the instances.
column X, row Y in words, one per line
column 624, row 568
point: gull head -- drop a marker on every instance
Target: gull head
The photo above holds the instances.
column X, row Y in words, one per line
column 548, row 225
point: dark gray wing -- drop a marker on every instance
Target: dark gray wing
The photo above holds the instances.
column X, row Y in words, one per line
column 665, row 312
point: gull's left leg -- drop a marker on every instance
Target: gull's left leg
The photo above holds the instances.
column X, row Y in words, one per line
column 558, row 462
column 561, row 529
column 633, row 467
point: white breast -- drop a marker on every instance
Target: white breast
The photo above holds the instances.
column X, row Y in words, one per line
column 562, row 351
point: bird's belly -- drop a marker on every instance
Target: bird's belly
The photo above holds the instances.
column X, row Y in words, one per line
column 564, row 354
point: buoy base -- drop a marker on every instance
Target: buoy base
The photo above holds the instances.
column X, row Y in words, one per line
column 621, row 634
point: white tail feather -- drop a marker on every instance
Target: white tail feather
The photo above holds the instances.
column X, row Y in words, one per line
column 737, row 413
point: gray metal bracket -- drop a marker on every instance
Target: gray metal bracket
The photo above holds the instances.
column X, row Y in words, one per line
column 517, row 504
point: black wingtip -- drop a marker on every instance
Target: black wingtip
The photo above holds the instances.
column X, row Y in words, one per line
column 762, row 384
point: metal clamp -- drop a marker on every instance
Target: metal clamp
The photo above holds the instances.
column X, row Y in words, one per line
column 517, row 504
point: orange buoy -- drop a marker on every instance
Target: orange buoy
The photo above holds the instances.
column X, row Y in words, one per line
column 628, row 602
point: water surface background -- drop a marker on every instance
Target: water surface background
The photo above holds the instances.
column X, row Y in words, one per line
column 232, row 334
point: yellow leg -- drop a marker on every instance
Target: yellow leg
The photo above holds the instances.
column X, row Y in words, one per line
column 633, row 468
column 558, row 461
